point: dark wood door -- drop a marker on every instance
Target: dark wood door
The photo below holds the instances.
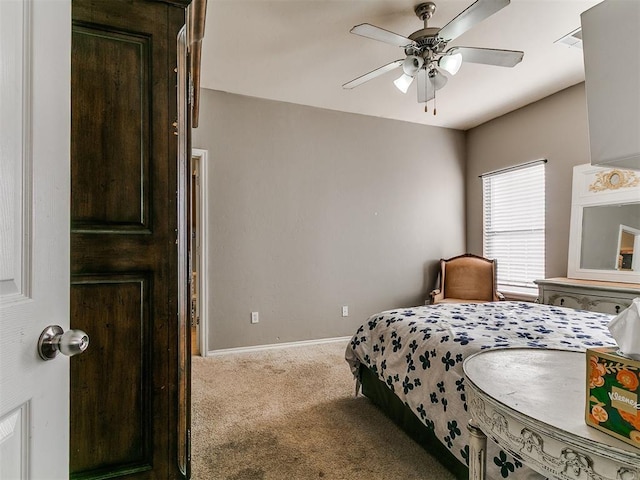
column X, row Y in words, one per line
column 125, row 395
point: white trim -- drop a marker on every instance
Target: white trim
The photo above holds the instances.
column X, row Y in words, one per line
column 273, row 346
column 512, row 168
column 519, row 297
column 203, row 155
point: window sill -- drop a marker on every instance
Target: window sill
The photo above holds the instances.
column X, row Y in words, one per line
column 519, row 297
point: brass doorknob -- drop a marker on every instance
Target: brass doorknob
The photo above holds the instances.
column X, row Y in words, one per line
column 53, row 340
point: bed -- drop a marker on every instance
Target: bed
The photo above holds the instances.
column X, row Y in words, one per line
column 409, row 363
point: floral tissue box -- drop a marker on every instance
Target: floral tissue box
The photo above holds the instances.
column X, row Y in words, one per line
column 612, row 394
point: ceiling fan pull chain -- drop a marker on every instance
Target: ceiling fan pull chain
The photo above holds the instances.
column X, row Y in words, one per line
column 434, row 103
column 426, row 103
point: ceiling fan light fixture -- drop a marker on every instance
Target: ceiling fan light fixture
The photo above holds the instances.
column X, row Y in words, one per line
column 426, row 54
column 451, row 63
column 403, row 83
column 412, row 64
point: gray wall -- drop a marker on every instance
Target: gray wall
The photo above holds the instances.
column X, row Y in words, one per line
column 554, row 128
column 313, row 209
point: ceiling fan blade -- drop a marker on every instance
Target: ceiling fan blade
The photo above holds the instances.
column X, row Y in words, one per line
column 426, row 88
column 373, row 74
column 382, row 35
column 474, row 14
column 489, row 56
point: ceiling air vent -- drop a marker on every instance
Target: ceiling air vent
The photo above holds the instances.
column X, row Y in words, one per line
column 572, row 39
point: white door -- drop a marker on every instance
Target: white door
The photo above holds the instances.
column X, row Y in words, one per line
column 35, row 46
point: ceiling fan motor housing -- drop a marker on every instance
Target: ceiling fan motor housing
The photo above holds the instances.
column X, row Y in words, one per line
column 426, row 39
column 425, row 11
column 427, row 43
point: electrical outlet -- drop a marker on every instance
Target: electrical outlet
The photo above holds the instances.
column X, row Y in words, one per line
column 255, row 317
column 345, row 311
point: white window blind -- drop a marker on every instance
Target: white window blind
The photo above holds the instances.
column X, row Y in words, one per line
column 513, row 208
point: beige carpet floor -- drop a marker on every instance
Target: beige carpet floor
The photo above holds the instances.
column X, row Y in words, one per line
column 291, row 414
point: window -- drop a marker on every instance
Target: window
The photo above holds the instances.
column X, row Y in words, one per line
column 513, row 208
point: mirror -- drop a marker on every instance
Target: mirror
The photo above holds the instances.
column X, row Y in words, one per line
column 608, row 236
column 628, row 248
column 604, row 240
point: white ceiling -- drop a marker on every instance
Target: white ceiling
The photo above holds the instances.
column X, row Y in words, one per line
column 301, row 51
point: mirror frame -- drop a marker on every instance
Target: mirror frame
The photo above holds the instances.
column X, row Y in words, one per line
column 597, row 186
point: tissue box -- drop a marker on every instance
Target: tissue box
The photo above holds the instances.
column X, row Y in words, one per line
column 613, row 393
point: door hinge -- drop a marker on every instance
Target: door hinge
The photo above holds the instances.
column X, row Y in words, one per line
column 189, row 447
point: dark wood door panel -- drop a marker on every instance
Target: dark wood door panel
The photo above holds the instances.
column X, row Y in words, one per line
column 111, row 116
column 113, row 252
column 115, row 309
column 124, row 388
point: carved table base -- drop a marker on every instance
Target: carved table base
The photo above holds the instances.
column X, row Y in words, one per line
column 477, row 452
column 539, row 417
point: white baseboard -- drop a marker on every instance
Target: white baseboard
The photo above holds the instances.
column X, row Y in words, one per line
column 257, row 348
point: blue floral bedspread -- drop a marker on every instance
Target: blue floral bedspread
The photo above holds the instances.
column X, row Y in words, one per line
column 418, row 352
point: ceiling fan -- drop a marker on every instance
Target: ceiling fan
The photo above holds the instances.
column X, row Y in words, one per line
column 425, row 52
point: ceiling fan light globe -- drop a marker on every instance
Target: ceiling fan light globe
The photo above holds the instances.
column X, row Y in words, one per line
column 403, row 82
column 451, row 63
column 412, row 64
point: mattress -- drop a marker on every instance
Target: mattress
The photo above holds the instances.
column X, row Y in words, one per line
column 418, row 353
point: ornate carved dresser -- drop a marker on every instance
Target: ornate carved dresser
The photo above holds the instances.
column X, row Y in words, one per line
column 593, row 295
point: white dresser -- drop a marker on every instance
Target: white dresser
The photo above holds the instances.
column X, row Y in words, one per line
column 593, row 295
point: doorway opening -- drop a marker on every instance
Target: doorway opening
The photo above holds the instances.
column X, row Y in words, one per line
column 198, row 252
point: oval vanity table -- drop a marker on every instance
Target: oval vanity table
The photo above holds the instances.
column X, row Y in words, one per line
column 531, row 402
